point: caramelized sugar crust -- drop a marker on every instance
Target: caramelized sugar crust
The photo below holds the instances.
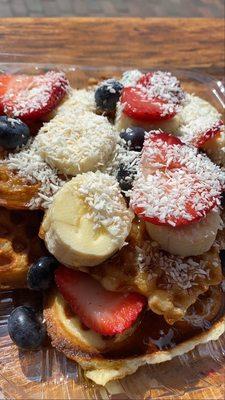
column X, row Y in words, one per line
column 19, row 246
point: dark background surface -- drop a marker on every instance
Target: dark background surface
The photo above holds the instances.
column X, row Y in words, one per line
column 111, row 8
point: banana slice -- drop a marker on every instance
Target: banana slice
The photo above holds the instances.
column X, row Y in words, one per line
column 190, row 240
column 78, row 99
column 76, row 142
column 215, row 148
column 88, row 220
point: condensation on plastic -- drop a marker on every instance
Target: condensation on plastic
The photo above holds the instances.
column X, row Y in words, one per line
column 47, row 374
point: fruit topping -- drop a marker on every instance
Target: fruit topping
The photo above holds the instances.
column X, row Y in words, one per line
column 203, row 136
column 223, row 200
column 156, row 96
column 106, row 312
column 199, row 121
column 13, row 133
column 156, row 155
column 95, row 224
column 125, row 177
column 41, row 274
column 32, row 97
column 134, row 137
column 175, row 185
column 108, row 94
column 26, row 328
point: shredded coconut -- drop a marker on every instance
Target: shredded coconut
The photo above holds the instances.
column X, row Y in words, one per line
column 162, row 86
column 130, row 78
column 109, row 84
column 199, row 121
column 173, row 177
column 28, row 164
column 107, row 207
column 170, row 270
column 77, row 142
column 125, row 158
column 78, row 100
column 36, row 94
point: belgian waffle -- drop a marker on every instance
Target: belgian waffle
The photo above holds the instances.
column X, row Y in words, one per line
column 15, row 192
column 153, row 341
column 19, row 246
column 171, row 284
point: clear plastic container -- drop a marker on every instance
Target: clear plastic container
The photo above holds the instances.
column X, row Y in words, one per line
column 47, row 374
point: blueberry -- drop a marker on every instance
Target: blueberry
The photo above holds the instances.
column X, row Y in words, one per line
column 108, row 94
column 134, row 137
column 25, row 328
column 222, row 259
column 41, row 274
column 13, row 133
column 125, row 178
column 223, row 199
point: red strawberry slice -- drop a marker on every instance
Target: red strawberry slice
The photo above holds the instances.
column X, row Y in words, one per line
column 136, row 105
column 152, row 99
column 159, row 158
column 179, row 221
column 177, row 186
column 202, row 138
column 4, row 82
column 32, row 97
column 165, row 137
column 106, row 312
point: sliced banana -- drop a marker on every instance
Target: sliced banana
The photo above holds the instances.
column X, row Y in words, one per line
column 76, row 142
column 77, row 99
column 190, row 240
column 123, row 122
column 88, row 220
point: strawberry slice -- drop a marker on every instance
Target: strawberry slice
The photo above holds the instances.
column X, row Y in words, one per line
column 159, row 159
column 203, row 137
column 155, row 97
column 4, row 82
column 165, row 137
column 136, row 105
column 32, row 97
column 103, row 311
column 176, row 186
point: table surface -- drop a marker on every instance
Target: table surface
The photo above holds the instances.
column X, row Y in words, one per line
column 157, row 42
column 162, row 43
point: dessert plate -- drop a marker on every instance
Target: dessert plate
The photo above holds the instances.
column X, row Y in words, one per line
column 46, row 374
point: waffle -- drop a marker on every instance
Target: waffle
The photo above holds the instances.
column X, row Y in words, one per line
column 153, row 341
column 171, row 284
column 15, row 192
column 19, row 246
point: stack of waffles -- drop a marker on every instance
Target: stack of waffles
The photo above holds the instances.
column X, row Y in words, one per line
column 121, row 183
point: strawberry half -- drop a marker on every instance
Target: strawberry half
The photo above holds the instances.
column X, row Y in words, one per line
column 32, row 97
column 155, row 97
column 103, row 311
column 176, row 185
